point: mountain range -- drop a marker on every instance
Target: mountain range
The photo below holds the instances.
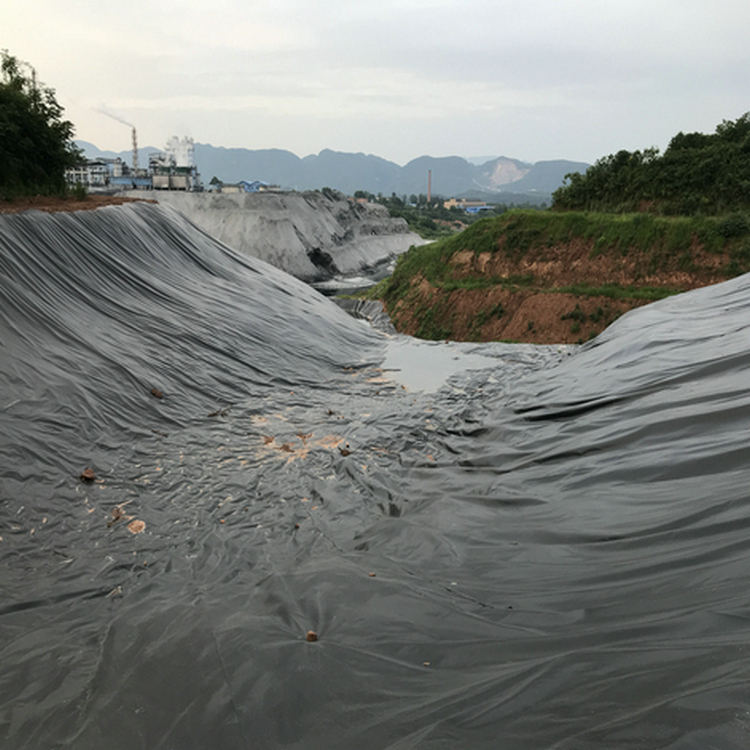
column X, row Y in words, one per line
column 500, row 179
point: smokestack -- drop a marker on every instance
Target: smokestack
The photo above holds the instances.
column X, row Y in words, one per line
column 429, row 185
column 135, row 153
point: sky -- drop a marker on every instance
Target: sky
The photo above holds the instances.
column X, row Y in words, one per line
column 528, row 79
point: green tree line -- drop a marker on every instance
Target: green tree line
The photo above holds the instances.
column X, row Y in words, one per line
column 697, row 174
column 36, row 145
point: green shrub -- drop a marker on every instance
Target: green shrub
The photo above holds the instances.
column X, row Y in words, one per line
column 576, row 314
column 739, row 260
column 734, row 225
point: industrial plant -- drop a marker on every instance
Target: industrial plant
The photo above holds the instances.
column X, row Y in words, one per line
column 171, row 169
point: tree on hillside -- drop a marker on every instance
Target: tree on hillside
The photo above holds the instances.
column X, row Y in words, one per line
column 697, row 174
column 36, row 144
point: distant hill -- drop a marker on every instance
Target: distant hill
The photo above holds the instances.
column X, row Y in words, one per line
column 501, row 178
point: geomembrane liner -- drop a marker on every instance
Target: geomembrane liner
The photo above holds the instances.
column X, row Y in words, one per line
column 544, row 547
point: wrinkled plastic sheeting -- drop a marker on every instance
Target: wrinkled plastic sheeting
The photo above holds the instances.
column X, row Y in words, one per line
column 370, row 310
column 550, row 550
column 139, row 298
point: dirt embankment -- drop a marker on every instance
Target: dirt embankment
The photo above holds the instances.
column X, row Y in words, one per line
column 519, row 298
column 53, row 204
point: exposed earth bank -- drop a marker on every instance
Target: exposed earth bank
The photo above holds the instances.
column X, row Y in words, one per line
column 512, row 280
column 51, row 204
column 498, row 314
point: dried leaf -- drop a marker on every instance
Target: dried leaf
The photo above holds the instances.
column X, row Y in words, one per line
column 117, row 514
column 87, row 475
column 157, row 393
column 136, row 526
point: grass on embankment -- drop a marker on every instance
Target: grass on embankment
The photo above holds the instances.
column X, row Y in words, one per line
column 605, row 258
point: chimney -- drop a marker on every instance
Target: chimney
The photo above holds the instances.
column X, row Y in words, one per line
column 135, row 153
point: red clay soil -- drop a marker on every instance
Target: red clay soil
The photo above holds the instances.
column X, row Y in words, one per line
column 52, row 204
column 574, row 263
column 498, row 314
column 536, row 313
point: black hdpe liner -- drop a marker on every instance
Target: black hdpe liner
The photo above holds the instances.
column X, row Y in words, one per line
column 549, row 552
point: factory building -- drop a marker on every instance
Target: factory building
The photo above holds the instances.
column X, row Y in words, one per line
column 174, row 168
column 94, row 174
column 471, row 207
column 171, row 169
column 243, row 186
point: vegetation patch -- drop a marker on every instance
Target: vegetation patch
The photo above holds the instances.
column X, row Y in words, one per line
column 36, row 144
column 698, row 174
column 516, row 262
column 614, row 291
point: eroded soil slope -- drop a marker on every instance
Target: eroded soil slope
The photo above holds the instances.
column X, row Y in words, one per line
column 546, row 295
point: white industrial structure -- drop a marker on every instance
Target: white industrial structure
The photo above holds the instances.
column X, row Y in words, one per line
column 172, row 169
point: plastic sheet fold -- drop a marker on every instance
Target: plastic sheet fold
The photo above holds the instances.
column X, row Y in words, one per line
column 547, row 549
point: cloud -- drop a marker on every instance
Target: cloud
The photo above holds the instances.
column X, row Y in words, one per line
column 573, row 77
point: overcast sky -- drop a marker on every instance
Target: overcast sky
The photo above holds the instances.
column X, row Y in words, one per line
column 530, row 79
